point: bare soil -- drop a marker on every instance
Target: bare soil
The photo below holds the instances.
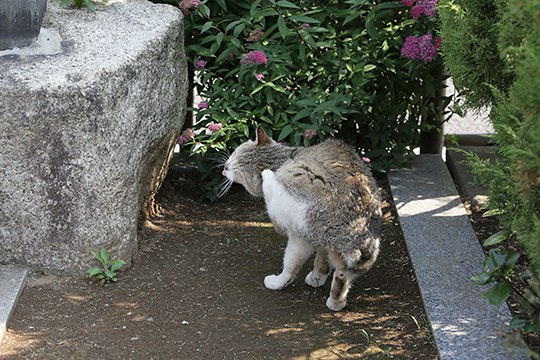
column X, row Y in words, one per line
column 195, row 291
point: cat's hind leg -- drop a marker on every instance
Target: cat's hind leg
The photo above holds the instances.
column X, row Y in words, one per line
column 341, row 283
column 296, row 254
column 317, row 277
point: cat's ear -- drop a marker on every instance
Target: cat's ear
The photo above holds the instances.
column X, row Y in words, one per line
column 262, row 138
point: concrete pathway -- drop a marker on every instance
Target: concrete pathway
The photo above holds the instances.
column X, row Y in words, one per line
column 12, row 280
column 446, row 253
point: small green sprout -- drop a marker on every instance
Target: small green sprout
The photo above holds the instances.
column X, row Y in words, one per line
column 107, row 273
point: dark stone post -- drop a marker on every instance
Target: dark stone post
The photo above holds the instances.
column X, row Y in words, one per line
column 431, row 135
column 20, row 22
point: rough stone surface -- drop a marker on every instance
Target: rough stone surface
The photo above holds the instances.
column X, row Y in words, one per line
column 446, row 254
column 12, row 280
column 87, row 133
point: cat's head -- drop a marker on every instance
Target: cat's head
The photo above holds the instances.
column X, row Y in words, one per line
column 250, row 159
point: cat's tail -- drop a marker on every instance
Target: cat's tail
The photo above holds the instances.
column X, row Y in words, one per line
column 361, row 260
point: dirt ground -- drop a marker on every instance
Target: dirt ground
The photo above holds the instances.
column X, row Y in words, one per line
column 195, row 291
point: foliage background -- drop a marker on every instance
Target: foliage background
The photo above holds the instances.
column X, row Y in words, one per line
column 333, row 68
column 491, row 49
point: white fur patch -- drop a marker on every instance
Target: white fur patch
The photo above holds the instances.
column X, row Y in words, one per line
column 335, row 305
column 228, row 168
column 275, row 282
column 296, row 254
column 316, row 279
column 285, row 211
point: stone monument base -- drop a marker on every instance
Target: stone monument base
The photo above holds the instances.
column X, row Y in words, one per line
column 87, row 132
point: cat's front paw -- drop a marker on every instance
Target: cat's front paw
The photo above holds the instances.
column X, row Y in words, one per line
column 275, row 282
column 316, row 279
column 267, row 174
column 335, row 305
column 268, row 183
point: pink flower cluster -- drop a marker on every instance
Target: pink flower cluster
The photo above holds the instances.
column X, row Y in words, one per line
column 253, row 57
column 421, row 47
column 200, row 64
column 185, row 5
column 310, row 133
column 214, row 127
column 203, row 105
column 188, row 134
column 421, row 7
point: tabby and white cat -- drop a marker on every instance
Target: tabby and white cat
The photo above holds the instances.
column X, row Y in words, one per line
column 323, row 198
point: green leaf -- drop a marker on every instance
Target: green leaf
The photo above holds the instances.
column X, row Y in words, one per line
column 310, row 41
column 117, row 264
column 236, row 43
column 233, row 24
column 104, row 255
column 302, row 114
column 498, row 293
column 257, row 89
column 232, row 113
column 286, row 4
column 304, row 19
column 90, row 5
column 498, row 257
column 286, row 131
column 493, row 212
column 93, row 271
column 302, row 52
column 276, row 87
column 219, row 38
column 214, row 48
column 497, row 238
column 222, row 4
column 238, row 29
column 482, row 279
column 253, row 10
column 369, row 67
column 224, row 54
column 517, row 323
column 282, row 26
column 351, row 17
column 512, row 259
column 207, row 25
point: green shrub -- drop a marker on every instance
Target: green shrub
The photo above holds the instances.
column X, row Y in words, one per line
column 470, row 49
column 80, row 3
column 308, row 70
column 492, row 48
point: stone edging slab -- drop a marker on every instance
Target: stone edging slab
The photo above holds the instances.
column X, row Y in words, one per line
column 12, row 281
column 445, row 253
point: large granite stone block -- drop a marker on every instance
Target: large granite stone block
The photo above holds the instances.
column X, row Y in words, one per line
column 87, row 131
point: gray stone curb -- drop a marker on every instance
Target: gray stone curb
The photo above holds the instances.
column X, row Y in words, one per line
column 12, row 281
column 445, row 253
column 456, row 160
